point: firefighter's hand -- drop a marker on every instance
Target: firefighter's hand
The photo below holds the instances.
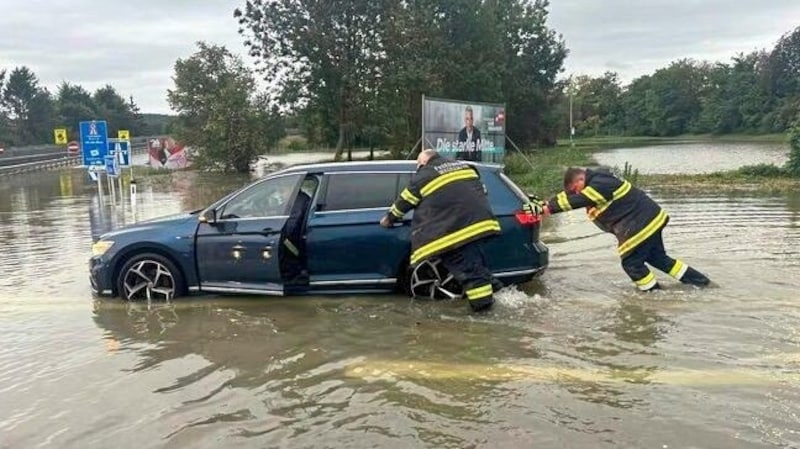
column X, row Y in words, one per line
column 386, row 222
column 535, row 207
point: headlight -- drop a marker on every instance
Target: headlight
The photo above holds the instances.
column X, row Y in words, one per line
column 101, row 246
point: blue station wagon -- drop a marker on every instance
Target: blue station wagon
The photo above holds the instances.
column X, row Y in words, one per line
column 307, row 229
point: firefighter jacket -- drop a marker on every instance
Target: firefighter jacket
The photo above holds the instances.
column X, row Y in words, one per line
column 451, row 208
column 615, row 206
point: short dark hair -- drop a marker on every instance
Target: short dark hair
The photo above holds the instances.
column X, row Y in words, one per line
column 571, row 174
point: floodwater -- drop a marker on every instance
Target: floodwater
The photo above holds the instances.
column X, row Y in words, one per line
column 695, row 158
column 577, row 359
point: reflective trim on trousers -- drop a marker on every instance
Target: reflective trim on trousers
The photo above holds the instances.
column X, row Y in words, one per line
column 479, row 292
column 678, row 270
column 647, row 282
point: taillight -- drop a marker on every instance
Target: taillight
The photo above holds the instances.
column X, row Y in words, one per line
column 526, row 218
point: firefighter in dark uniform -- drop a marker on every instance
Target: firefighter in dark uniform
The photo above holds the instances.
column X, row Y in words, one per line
column 637, row 221
column 451, row 220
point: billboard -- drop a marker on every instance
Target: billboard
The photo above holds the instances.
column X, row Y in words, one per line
column 165, row 152
column 464, row 130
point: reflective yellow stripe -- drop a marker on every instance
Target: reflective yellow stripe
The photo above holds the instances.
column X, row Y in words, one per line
column 454, row 238
column 594, row 195
column 408, row 196
column 644, row 234
column 396, row 212
column 678, row 270
column 622, row 190
column 291, row 247
column 619, row 193
column 563, row 202
column 647, row 279
column 443, row 180
column 479, row 292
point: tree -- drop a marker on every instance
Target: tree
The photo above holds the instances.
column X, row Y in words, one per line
column 322, row 53
column 73, row 105
column 793, row 165
column 112, row 107
column 18, row 96
column 213, row 96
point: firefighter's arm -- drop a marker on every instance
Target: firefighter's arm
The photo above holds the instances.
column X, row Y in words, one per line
column 564, row 202
column 409, row 199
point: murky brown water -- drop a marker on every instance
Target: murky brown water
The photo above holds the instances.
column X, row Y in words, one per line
column 577, row 359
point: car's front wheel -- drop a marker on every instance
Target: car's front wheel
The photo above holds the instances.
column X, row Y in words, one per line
column 430, row 279
column 149, row 277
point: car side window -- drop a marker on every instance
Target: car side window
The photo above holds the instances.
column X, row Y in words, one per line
column 269, row 198
column 360, row 191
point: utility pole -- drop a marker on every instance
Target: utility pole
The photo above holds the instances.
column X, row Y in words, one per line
column 571, row 128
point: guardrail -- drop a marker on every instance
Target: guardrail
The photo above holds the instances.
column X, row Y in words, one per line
column 24, row 164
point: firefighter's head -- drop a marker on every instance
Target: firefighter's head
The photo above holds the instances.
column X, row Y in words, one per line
column 574, row 179
column 425, row 156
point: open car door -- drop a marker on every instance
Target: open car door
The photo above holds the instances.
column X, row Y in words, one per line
column 239, row 241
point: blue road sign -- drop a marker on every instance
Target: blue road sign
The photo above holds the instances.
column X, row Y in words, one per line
column 122, row 149
column 111, row 165
column 94, row 142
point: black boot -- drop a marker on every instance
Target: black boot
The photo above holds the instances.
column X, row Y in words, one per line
column 694, row 277
column 481, row 305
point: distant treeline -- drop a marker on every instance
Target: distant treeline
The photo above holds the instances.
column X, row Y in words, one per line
column 29, row 111
column 754, row 93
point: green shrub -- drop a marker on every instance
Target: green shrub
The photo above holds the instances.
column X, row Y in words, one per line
column 793, row 166
column 762, row 171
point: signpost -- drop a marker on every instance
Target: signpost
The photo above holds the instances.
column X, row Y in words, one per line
column 123, row 134
column 94, row 146
column 60, row 135
column 73, row 147
column 122, row 149
column 94, row 142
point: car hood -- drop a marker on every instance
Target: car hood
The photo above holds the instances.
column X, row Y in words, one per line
column 175, row 221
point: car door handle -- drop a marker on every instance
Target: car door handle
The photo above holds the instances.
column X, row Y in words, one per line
column 269, row 231
column 397, row 224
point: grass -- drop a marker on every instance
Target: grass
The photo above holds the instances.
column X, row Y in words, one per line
column 544, row 175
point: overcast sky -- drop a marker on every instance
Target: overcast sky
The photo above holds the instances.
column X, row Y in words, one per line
column 133, row 45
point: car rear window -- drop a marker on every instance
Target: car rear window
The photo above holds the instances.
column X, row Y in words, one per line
column 361, row 191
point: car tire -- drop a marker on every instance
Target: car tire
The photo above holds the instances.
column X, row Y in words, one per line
column 431, row 280
column 150, row 276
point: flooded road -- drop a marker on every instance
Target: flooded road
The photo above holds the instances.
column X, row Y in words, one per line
column 577, row 359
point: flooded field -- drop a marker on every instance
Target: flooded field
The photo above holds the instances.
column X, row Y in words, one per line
column 695, row 157
column 577, row 359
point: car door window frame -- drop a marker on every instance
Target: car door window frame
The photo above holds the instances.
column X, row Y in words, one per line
column 221, row 206
column 324, row 189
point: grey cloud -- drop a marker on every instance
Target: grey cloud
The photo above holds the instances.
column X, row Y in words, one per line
column 133, row 45
column 649, row 34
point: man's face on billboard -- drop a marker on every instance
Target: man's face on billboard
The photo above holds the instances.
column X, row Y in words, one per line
column 468, row 119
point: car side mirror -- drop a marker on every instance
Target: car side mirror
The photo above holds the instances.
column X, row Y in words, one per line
column 208, row 216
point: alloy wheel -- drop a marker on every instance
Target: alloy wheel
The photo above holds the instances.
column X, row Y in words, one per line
column 431, row 280
column 150, row 280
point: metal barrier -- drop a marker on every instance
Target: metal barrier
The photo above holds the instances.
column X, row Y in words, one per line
column 23, row 164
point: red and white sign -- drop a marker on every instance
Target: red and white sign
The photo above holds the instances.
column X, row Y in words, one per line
column 73, row 147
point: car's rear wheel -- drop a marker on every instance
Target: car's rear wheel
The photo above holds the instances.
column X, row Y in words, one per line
column 150, row 277
column 431, row 280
